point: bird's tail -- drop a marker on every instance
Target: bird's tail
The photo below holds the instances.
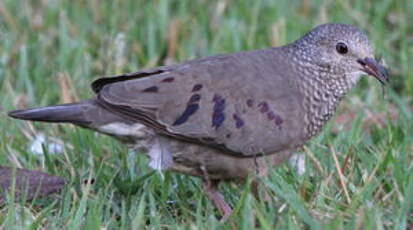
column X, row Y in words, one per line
column 76, row 113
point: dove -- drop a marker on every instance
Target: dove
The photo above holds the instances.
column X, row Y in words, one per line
column 228, row 116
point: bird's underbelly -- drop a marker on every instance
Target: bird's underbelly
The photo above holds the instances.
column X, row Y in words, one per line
column 166, row 153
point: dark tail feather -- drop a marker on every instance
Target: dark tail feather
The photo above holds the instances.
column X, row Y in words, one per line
column 71, row 113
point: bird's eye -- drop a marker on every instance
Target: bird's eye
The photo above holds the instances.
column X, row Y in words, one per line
column 341, row 48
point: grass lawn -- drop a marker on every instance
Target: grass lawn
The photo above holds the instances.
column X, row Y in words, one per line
column 51, row 50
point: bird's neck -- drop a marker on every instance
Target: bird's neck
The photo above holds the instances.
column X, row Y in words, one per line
column 322, row 92
column 320, row 103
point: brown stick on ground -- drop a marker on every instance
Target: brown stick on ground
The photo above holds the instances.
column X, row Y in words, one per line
column 27, row 183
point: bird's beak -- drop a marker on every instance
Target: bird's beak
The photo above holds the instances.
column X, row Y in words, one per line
column 373, row 68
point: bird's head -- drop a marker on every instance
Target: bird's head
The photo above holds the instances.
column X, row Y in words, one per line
column 341, row 52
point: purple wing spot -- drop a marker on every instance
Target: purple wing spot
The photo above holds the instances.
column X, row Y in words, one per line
column 218, row 115
column 152, row 89
column 270, row 115
column 263, row 107
column 190, row 110
column 197, row 87
column 217, row 120
column 168, row 79
column 219, row 103
column 194, row 99
column 278, row 121
column 238, row 121
column 250, row 103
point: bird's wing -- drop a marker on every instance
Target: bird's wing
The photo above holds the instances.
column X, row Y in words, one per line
column 241, row 103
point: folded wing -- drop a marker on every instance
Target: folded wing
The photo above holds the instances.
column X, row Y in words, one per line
column 229, row 102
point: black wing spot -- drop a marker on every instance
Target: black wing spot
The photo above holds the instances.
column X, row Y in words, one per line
column 168, row 79
column 197, row 87
column 152, row 89
column 190, row 110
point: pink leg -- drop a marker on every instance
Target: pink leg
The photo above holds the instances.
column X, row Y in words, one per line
column 211, row 190
column 255, row 189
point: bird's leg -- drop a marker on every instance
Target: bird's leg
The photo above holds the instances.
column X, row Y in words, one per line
column 255, row 189
column 255, row 184
column 211, row 190
column 260, row 172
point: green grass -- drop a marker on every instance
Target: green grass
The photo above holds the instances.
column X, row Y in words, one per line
column 81, row 40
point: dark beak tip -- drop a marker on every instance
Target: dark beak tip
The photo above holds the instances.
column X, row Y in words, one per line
column 13, row 113
column 373, row 68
